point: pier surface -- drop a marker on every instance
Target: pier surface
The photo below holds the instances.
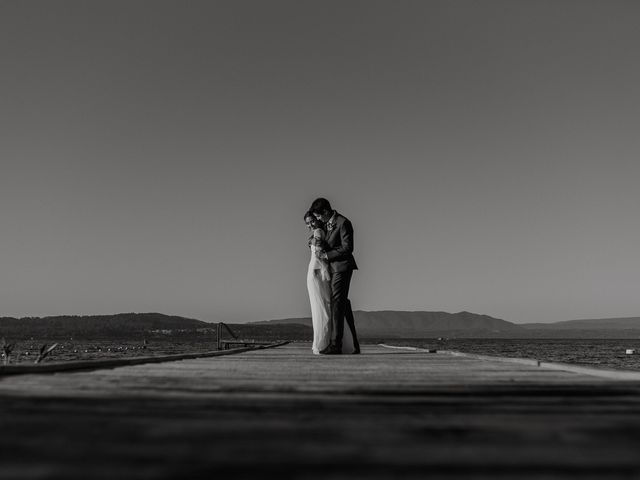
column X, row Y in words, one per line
column 388, row 413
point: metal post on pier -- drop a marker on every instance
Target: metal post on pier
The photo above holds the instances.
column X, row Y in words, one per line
column 221, row 344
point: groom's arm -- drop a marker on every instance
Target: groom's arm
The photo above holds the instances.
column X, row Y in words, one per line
column 346, row 243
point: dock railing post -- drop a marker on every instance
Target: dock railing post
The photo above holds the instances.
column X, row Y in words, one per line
column 219, row 333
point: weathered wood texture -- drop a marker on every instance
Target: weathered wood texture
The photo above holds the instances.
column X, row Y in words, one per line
column 121, row 362
column 283, row 411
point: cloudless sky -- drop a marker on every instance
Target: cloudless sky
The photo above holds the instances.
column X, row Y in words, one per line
column 159, row 156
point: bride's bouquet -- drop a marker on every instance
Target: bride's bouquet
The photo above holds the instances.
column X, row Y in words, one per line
column 318, row 246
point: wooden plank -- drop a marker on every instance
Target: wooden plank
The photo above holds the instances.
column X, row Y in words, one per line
column 292, row 368
column 288, row 413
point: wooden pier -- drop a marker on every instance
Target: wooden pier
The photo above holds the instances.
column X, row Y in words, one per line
column 283, row 412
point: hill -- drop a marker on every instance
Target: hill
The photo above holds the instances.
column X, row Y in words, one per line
column 401, row 324
column 373, row 325
column 91, row 326
column 624, row 323
column 137, row 325
column 624, row 327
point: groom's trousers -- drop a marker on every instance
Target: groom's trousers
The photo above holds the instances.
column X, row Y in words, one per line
column 341, row 307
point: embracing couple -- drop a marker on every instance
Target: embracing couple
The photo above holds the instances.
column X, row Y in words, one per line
column 328, row 279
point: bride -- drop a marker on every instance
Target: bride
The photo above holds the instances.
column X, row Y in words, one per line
column 319, row 287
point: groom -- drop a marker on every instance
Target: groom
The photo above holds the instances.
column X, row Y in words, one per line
column 338, row 251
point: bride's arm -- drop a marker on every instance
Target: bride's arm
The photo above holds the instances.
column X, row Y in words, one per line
column 319, row 240
column 318, row 236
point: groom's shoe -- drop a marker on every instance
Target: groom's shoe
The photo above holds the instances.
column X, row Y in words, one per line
column 356, row 351
column 331, row 350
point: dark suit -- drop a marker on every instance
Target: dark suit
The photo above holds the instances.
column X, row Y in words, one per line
column 339, row 249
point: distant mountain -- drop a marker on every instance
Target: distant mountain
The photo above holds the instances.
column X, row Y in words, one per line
column 401, row 324
column 625, row 327
column 138, row 325
column 622, row 323
column 373, row 325
column 97, row 325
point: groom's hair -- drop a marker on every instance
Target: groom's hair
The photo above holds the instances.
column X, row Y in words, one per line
column 320, row 205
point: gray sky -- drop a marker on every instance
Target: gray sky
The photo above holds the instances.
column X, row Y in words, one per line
column 159, row 156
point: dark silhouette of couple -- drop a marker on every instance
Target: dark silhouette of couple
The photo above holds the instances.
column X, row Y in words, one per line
column 328, row 279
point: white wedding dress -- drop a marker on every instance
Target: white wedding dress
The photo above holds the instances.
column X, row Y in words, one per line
column 319, row 286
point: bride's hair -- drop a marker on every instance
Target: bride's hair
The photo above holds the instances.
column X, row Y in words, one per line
column 320, row 205
column 309, row 214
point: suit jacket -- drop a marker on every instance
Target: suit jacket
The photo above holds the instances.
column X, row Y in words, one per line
column 339, row 245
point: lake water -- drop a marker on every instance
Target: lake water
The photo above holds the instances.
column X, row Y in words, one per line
column 601, row 353
column 607, row 353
